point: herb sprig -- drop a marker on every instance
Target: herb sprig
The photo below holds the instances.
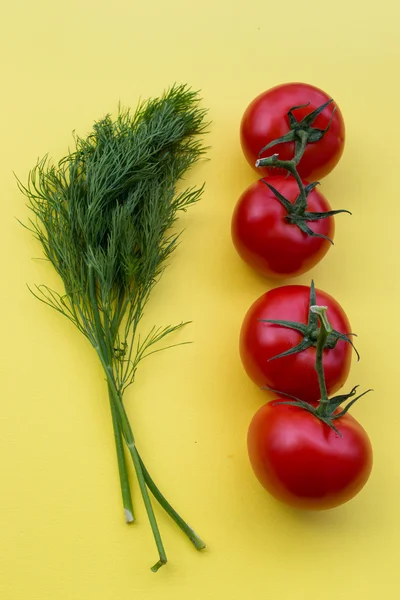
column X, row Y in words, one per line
column 103, row 216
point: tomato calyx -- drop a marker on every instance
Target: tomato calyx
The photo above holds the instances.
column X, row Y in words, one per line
column 326, row 410
column 301, row 132
column 297, row 213
column 311, row 331
column 328, row 415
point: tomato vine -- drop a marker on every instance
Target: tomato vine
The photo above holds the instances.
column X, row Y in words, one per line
column 326, row 409
column 301, row 133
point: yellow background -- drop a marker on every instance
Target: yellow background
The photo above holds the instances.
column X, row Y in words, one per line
column 62, row 535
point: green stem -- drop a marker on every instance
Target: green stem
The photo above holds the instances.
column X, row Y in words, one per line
column 99, row 329
column 303, row 136
column 122, row 467
column 122, row 426
column 324, row 331
column 291, row 167
column 192, row 535
column 301, row 202
column 139, row 465
column 130, row 442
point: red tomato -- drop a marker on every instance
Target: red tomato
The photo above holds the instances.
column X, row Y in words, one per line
column 294, row 374
column 267, row 241
column 302, row 462
column 266, row 119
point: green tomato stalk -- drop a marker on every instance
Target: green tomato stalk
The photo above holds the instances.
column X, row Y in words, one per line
column 301, row 133
column 327, row 407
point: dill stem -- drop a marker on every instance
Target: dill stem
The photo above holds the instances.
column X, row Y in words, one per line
column 122, row 428
column 143, row 476
column 191, row 534
column 130, row 442
column 116, row 399
column 122, row 468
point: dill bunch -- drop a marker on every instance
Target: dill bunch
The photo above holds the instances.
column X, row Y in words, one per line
column 103, row 216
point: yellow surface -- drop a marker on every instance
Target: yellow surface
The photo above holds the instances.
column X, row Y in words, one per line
column 62, row 535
